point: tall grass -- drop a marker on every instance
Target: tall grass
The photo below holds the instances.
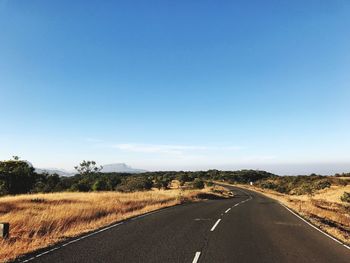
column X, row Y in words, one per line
column 40, row 220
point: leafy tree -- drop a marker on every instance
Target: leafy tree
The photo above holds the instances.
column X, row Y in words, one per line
column 3, row 188
column 162, row 182
column 209, row 183
column 81, row 186
column 198, row 183
column 16, row 177
column 135, row 183
column 101, row 185
column 88, row 167
column 47, row 183
column 183, row 178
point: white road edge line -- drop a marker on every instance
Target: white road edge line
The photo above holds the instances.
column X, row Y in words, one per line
column 196, row 257
column 227, row 210
column 91, row 234
column 88, row 235
column 334, row 239
column 215, row 225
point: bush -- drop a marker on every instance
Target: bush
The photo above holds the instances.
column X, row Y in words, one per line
column 133, row 183
column 3, row 189
column 198, row 184
column 282, row 189
column 46, row 183
column 101, row 185
column 209, row 183
column 16, row 177
column 183, row 178
column 345, row 197
column 268, row 185
column 82, row 185
column 305, row 188
column 322, row 184
column 162, row 182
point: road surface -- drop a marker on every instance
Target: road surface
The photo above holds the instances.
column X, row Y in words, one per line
column 246, row 228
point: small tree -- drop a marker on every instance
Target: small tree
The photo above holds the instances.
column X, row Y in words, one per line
column 100, row 185
column 81, row 186
column 16, row 177
column 162, row 182
column 198, row 184
column 88, row 167
column 183, row 178
column 135, row 183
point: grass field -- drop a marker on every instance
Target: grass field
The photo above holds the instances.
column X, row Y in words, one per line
column 324, row 209
column 39, row 220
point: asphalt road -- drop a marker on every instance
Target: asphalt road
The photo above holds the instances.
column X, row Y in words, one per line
column 246, row 228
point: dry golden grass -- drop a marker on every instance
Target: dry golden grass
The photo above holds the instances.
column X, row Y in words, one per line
column 324, row 209
column 39, row 220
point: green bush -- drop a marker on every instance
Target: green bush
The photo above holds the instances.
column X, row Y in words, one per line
column 209, row 183
column 303, row 189
column 322, row 184
column 345, row 197
column 282, row 189
column 162, row 182
column 101, row 185
column 268, row 185
column 81, row 186
column 16, row 177
column 183, row 178
column 134, row 183
column 198, row 184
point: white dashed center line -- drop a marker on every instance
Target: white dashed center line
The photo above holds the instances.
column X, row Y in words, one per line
column 196, row 257
column 215, row 225
column 227, row 210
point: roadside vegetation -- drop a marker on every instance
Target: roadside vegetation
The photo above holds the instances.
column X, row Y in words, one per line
column 323, row 200
column 39, row 220
column 19, row 177
column 44, row 209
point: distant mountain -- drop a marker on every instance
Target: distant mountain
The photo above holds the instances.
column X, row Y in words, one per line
column 120, row 168
column 108, row 168
column 60, row 172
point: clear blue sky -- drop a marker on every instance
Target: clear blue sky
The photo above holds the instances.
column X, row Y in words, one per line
column 177, row 84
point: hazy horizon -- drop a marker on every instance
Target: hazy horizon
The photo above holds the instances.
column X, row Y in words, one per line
column 276, row 168
column 177, row 85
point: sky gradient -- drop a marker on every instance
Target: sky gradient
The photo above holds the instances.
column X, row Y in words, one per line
column 177, row 85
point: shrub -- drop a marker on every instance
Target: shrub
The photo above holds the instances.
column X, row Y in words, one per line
column 81, row 186
column 100, row 185
column 162, row 182
column 305, row 188
column 345, row 197
column 183, row 178
column 282, row 189
column 133, row 183
column 198, row 184
column 268, row 185
column 322, row 184
column 16, row 177
column 209, row 183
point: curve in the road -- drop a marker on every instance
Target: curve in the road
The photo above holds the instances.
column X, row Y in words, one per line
column 247, row 228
